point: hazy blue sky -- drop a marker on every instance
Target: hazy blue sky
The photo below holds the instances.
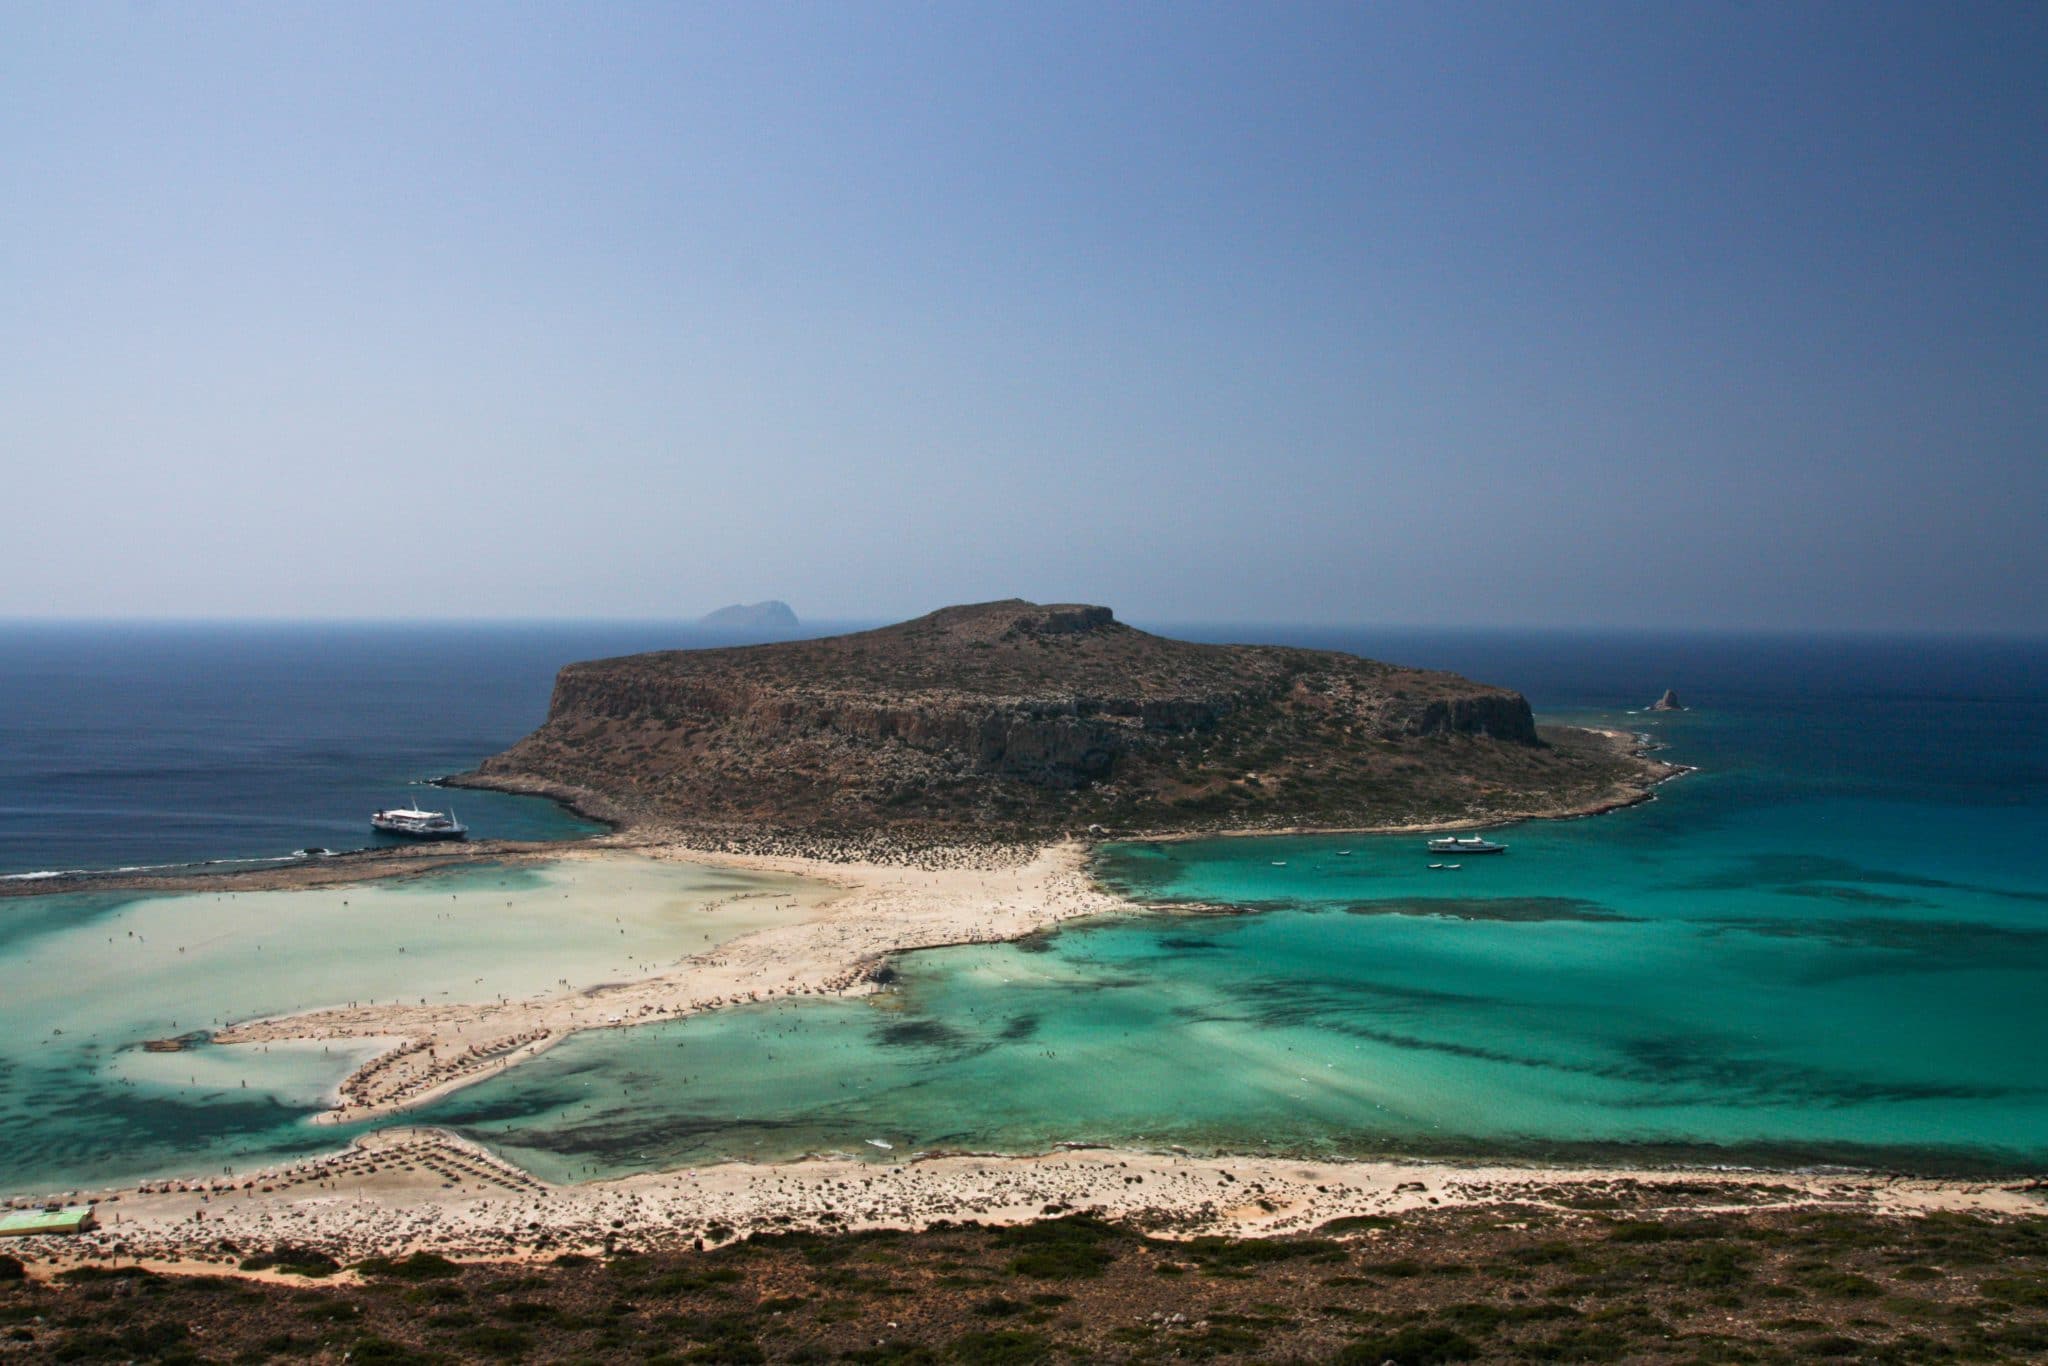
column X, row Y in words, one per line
column 1718, row 315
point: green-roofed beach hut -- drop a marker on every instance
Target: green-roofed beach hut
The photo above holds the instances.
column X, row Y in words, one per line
column 23, row 1223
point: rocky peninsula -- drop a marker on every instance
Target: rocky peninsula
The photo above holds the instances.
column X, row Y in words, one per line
column 1019, row 722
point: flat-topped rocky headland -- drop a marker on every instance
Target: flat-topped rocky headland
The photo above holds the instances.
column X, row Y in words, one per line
column 1018, row 722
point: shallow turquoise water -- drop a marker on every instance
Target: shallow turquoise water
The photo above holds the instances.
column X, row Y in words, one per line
column 90, row 978
column 1830, row 946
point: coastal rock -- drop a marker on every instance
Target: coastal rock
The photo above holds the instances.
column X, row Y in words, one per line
column 1018, row 718
column 1668, row 702
column 767, row 616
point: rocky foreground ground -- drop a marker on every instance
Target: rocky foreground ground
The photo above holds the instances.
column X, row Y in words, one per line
column 1650, row 1271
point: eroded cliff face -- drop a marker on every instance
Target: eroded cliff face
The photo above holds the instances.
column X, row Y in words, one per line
column 1053, row 742
column 1502, row 716
column 1024, row 716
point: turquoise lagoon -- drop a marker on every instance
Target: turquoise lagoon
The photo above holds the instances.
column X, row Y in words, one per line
column 1829, row 945
column 90, row 978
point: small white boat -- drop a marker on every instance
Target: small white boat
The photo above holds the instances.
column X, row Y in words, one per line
column 419, row 825
column 1343, row 853
column 1470, row 844
column 1279, row 863
column 878, row 1143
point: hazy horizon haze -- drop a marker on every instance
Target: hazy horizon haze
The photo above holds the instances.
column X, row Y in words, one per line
column 1677, row 316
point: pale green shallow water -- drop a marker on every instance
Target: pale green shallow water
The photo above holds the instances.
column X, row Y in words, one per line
column 89, row 978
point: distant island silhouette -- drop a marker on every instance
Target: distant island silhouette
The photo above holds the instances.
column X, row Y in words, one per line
column 772, row 615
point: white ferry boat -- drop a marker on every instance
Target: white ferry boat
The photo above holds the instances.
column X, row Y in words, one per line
column 420, row 825
column 1470, row 844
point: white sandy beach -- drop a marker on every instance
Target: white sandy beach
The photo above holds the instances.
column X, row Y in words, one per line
column 404, row 1190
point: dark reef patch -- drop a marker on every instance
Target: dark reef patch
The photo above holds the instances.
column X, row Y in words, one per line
column 1509, row 909
column 1671, row 1069
column 1853, row 896
column 1935, row 943
column 1790, row 872
column 920, row 1034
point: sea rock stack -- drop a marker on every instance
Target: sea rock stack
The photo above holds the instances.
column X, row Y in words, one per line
column 1022, row 719
column 1668, row 702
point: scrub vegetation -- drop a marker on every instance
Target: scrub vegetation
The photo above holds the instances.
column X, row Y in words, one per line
column 1487, row 1284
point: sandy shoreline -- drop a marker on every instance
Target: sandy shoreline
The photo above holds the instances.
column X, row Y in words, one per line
column 403, row 1190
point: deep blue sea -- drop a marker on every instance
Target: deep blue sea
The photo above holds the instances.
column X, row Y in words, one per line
column 149, row 744
column 1828, row 945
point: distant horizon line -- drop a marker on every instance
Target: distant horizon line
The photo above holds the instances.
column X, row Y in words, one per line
column 813, row 628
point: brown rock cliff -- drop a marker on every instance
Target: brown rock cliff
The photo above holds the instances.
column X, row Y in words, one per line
column 1011, row 718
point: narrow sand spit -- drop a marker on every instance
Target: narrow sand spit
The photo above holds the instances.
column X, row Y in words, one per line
column 404, row 1190
column 884, row 909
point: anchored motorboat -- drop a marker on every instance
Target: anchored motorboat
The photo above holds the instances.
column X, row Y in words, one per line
column 414, row 823
column 1470, row 844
